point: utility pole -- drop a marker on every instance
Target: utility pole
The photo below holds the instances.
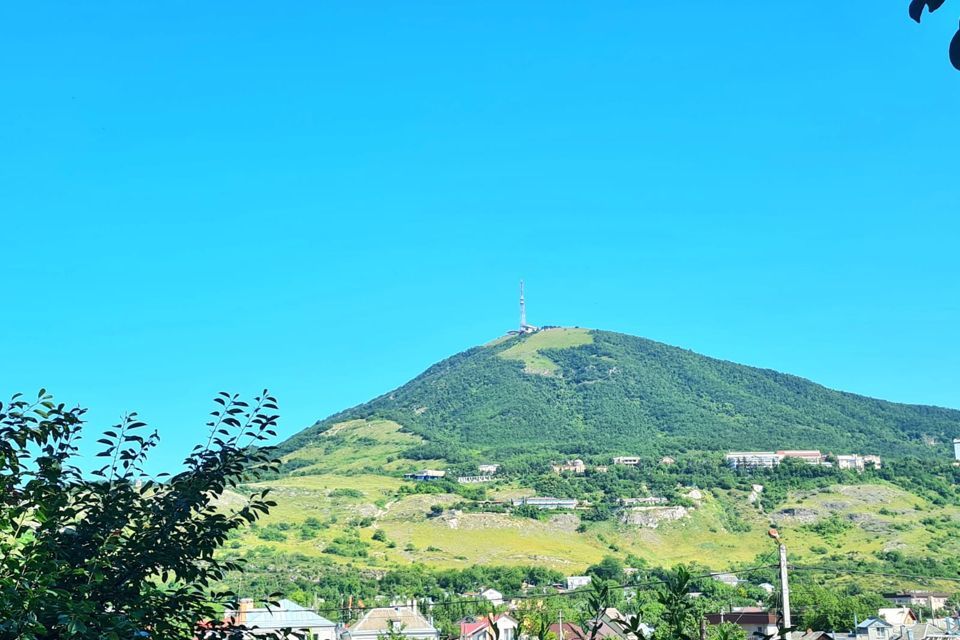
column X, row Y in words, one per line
column 784, row 583
column 560, row 635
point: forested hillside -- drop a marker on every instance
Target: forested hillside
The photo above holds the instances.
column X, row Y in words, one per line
column 597, row 392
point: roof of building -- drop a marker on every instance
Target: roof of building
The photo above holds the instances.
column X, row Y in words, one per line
column 570, row 631
column 869, row 622
column 611, row 626
column 379, row 620
column 919, row 631
column 897, row 615
column 469, row 626
column 288, row 614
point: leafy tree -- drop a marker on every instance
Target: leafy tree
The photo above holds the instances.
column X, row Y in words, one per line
column 678, row 617
column 609, row 568
column 115, row 554
column 916, row 12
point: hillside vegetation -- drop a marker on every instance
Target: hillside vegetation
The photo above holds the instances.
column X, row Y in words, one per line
column 594, row 392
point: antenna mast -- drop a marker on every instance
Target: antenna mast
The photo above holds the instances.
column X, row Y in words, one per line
column 523, row 309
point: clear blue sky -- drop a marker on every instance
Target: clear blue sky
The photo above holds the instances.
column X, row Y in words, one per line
column 326, row 198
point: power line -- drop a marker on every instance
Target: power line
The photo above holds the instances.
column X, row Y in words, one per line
column 883, row 574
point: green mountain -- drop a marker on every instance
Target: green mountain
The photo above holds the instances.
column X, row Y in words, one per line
column 597, row 392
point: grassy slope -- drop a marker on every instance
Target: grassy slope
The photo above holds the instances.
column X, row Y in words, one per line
column 529, row 351
column 475, row 538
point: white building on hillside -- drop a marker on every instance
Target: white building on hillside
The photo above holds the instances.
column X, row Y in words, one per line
column 753, row 459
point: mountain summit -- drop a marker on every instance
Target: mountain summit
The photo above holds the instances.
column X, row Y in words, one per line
column 571, row 389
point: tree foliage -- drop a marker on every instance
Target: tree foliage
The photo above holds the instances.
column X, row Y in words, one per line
column 115, row 554
column 916, row 12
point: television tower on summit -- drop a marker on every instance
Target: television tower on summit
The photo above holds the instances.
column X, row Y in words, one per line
column 524, row 327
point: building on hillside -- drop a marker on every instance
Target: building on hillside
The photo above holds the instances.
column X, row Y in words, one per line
column 897, row 615
column 546, row 503
column 575, row 582
column 263, row 622
column 567, row 631
column 405, row 620
column 630, row 461
column 873, row 629
column 956, row 448
column 766, row 586
column 753, row 620
column 601, row 468
column 872, row 461
column 810, row 456
column 650, row 500
column 573, row 466
column 481, row 628
column 475, row 479
column 933, row 600
column 488, row 469
column 814, row 635
column 851, row 461
column 753, row 459
column 494, row 596
column 729, row 579
column 426, row 475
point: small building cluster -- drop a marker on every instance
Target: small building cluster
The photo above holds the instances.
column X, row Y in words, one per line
column 572, row 466
column 546, row 502
column 890, row 623
column 769, row 459
column 426, row 475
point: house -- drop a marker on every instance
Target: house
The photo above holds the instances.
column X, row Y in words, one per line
column 494, row 596
column 873, row 629
column 728, row 579
column 753, row 620
column 567, row 631
column 925, row 631
column 810, row 456
column 898, row 615
column 426, row 475
column 263, row 622
column 753, row 459
column 405, row 620
column 482, row 629
column 766, row 586
column 813, row 635
column 575, row 582
column 488, row 469
column 933, row 600
column 872, row 461
column 852, row 461
column 667, row 460
column 574, row 466
column 475, row 479
column 610, row 626
column 630, row 461
column 546, row 503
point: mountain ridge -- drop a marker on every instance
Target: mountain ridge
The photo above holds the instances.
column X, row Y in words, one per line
column 573, row 390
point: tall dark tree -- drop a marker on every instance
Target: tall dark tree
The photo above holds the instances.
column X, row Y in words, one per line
column 115, row 554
